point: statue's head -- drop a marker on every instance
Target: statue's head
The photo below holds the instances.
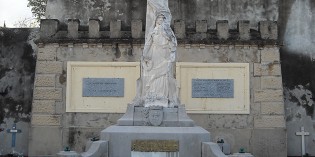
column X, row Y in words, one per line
column 160, row 19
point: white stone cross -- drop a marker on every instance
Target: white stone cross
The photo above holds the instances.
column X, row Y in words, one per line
column 303, row 134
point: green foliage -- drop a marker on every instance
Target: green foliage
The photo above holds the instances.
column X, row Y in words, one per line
column 38, row 8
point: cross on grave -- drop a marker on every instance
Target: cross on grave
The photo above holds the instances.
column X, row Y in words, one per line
column 13, row 131
column 303, row 134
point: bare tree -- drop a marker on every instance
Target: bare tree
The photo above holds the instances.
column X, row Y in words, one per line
column 27, row 23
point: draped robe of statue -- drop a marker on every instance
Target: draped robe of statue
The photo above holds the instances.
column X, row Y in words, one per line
column 157, row 85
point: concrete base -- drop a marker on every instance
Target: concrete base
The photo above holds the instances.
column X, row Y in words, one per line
column 120, row 137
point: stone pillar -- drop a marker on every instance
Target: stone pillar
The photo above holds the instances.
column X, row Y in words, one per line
column 48, row 28
column 269, row 123
column 73, row 28
column 244, row 30
column 223, row 29
column 136, row 29
column 201, row 26
column 268, row 30
column 180, row 29
column 115, row 28
column 46, row 134
column 94, row 28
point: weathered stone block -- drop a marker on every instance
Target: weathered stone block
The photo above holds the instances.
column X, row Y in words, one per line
column 180, row 29
column 234, row 121
column 268, row 95
column 48, row 67
column 46, row 54
column 48, row 27
column 59, row 108
column 45, row 80
column 268, row 30
column 267, row 69
column 269, row 142
column 270, row 55
column 251, row 54
column 255, row 82
column 223, row 29
column 45, row 141
column 136, row 29
column 272, row 108
column 94, row 28
column 264, row 28
column 50, row 120
column 73, row 28
column 269, row 122
column 47, row 94
column 115, row 28
column 271, row 82
column 274, row 30
column 43, row 106
column 255, row 109
column 201, row 26
column 244, row 30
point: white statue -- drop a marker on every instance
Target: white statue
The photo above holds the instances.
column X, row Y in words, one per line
column 157, row 85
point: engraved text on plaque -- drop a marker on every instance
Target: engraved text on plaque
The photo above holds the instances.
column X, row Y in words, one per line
column 103, row 87
column 212, row 88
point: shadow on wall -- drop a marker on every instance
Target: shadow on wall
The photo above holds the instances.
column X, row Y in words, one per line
column 17, row 67
column 298, row 52
column 297, row 23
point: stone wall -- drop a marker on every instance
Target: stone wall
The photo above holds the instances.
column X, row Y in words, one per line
column 261, row 131
column 187, row 10
column 17, row 68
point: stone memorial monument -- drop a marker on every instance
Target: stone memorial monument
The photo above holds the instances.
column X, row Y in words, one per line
column 155, row 123
column 97, row 67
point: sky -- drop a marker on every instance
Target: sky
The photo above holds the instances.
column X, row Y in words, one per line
column 14, row 10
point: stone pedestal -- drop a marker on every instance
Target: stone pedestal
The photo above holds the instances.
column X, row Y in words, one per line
column 154, row 131
column 120, row 138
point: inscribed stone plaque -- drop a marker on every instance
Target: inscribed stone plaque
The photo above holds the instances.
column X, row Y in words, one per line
column 103, row 87
column 155, row 146
column 212, row 88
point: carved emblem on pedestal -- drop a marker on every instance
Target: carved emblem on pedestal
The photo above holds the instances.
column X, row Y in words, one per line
column 156, row 116
column 153, row 116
